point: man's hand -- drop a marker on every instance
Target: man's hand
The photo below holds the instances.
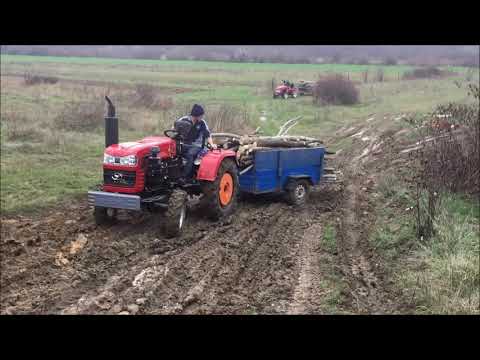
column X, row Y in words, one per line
column 212, row 145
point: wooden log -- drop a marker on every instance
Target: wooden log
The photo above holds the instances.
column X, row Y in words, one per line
column 251, row 139
column 213, row 135
column 280, row 143
column 286, row 124
column 257, row 131
column 288, row 128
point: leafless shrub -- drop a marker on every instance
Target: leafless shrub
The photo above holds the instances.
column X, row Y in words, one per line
column 147, row 95
column 335, row 89
column 81, row 116
column 447, row 159
column 227, row 118
column 32, row 79
column 19, row 128
column 163, row 103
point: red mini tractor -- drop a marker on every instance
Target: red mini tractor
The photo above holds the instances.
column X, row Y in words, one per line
column 144, row 176
column 285, row 90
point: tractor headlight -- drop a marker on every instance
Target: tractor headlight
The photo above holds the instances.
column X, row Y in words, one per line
column 128, row 160
column 108, row 159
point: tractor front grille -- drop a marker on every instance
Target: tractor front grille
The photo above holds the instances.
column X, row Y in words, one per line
column 119, row 177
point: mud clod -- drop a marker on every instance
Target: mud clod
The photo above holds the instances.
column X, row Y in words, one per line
column 133, row 308
column 116, row 309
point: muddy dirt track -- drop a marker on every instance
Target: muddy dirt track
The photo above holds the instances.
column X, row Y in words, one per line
column 268, row 258
column 252, row 262
column 265, row 259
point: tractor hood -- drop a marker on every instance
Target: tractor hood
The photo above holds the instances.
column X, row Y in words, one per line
column 143, row 147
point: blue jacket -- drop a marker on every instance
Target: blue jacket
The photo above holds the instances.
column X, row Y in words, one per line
column 199, row 133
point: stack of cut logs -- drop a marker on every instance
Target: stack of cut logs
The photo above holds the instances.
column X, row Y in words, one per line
column 246, row 145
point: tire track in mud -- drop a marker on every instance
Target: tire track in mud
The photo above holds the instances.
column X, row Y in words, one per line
column 245, row 264
column 360, row 265
column 307, row 279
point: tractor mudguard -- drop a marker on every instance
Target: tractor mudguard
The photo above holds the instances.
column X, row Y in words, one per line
column 211, row 162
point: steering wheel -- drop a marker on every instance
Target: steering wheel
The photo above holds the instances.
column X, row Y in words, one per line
column 172, row 134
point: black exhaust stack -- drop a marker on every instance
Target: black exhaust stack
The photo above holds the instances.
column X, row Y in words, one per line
column 111, row 125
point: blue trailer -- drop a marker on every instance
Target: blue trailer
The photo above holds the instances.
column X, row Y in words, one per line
column 292, row 170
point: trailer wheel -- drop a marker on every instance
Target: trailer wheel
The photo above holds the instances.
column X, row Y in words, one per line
column 221, row 195
column 176, row 213
column 104, row 216
column 298, row 192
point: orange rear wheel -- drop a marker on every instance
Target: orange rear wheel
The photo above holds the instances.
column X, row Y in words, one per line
column 226, row 189
column 220, row 195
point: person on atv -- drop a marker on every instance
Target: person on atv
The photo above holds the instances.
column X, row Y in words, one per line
column 195, row 140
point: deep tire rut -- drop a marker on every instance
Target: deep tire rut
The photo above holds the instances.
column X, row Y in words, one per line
column 245, row 264
column 362, row 268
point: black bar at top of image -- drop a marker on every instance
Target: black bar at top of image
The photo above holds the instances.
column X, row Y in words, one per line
column 241, row 25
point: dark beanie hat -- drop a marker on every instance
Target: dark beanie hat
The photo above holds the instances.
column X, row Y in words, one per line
column 197, row 110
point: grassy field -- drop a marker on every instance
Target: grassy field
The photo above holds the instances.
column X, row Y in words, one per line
column 42, row 162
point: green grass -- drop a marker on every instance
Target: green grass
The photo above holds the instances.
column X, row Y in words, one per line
column 329, row 238
column 36, row 177
column 393, row 232
column 448, row 278
column 441, row 275
column 202, row 65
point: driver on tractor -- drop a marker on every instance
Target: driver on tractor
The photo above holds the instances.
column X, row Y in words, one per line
column 195, row 140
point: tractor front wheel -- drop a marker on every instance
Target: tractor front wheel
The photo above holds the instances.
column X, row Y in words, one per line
column 221, row 195
column 104, row 216
column 176, row 213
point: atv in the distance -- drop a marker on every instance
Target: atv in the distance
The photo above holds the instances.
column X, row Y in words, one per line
column 285, row 91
